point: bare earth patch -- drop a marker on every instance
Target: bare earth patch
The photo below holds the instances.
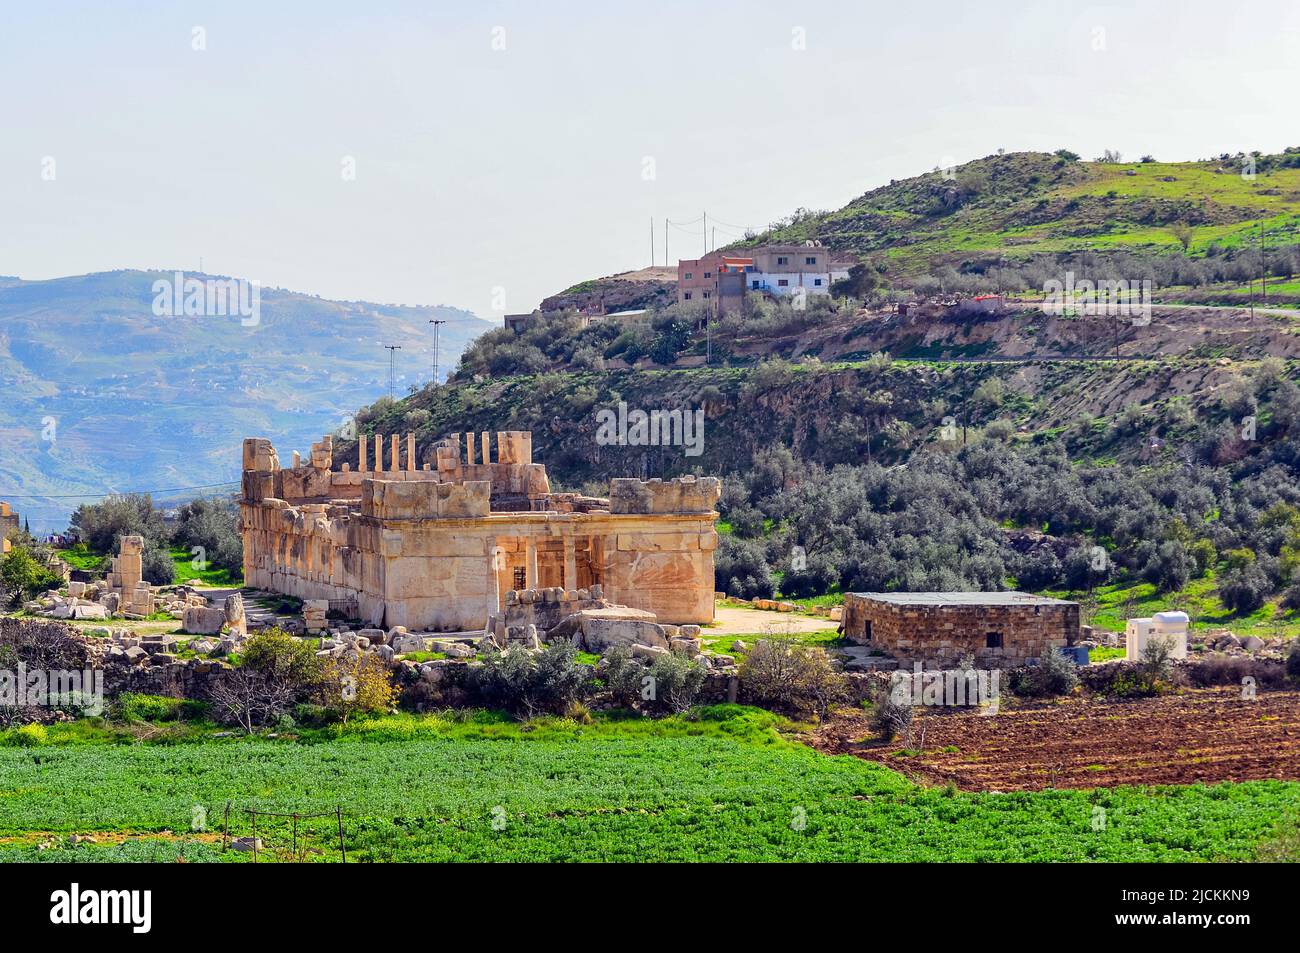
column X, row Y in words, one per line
column 1201, row 736
column 733, row 620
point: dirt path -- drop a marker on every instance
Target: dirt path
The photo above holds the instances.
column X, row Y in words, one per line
column 1201, row 736
column 732, row 620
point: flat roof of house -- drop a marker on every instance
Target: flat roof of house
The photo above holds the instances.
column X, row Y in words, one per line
column 1009, row 598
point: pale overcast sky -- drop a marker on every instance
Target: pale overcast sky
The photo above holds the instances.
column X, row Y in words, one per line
column 527, row 145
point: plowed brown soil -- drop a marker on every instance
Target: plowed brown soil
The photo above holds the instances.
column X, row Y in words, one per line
column 1199, row 736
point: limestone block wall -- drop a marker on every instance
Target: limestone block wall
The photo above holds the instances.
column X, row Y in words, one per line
column 384, row 499
column 312, row 551
column 435, row 573
column 663, row 565
column 951, row 632
column 681, row 495
column 546, row 608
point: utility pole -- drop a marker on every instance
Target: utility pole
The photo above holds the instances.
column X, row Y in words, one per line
column 1263, row 265
column 652, row 241
column 437, row 324
column 392, row 366
column 665, row 242
column 706, row 233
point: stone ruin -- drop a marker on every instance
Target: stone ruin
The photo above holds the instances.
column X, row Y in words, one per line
column 125, row 594
column 125, row 579
column 584, row 617
column 438, row 545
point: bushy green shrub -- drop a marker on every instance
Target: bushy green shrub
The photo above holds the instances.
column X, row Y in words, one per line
column 625, row 678
column 212, row 526
column 25, row 736
column 22, row 577
column 134, row 706
column 1055, row 674
column 156, row 565
column 311, row 715
column 101, row 525
column 283, row 658
column 668, row 684
column 675, row 682
column 528, row 683
column 1245, row 589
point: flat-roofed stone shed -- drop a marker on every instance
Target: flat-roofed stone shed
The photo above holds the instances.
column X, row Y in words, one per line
column 994, row 627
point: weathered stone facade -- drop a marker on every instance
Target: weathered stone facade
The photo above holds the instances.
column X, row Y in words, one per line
column 438, row 549
column 996, row 628
column 8, row 525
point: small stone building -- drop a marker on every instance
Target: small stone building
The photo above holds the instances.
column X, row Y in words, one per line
column 994, row 627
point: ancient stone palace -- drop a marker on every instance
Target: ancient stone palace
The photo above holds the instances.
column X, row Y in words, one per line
column 437, row 546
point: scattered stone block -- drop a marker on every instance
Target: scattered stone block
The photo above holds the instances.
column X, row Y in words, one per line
column 203, row 621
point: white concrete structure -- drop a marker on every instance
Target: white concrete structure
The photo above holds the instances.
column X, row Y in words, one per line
column 1172, row 626
column 788, row 283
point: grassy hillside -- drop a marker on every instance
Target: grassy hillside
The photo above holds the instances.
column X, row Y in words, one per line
column 1020, row 204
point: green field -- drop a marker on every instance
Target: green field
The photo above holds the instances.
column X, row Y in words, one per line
column 724, row 786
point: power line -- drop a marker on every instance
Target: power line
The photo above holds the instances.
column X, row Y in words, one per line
column 95, row 496
column 742, row 228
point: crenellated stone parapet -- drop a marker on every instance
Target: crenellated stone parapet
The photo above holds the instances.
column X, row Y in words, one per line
column 686, row 494
column 512, row 475
column 396, row 500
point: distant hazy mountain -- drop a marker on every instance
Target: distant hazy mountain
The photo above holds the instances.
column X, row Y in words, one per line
column 137, row 401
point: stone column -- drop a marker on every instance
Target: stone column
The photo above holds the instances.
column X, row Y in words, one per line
column 469, row 449
column 361, row 452
column 530, row 565
column 394, row 457
column 493, row 587
column 570, row 564
column 379, row 453
column 410, row 452
column 487, row 446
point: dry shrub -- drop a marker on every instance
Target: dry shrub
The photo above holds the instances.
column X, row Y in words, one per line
column 798, row 679
column 1231, row 669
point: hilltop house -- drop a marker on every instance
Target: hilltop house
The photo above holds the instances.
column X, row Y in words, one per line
column 721, row 279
